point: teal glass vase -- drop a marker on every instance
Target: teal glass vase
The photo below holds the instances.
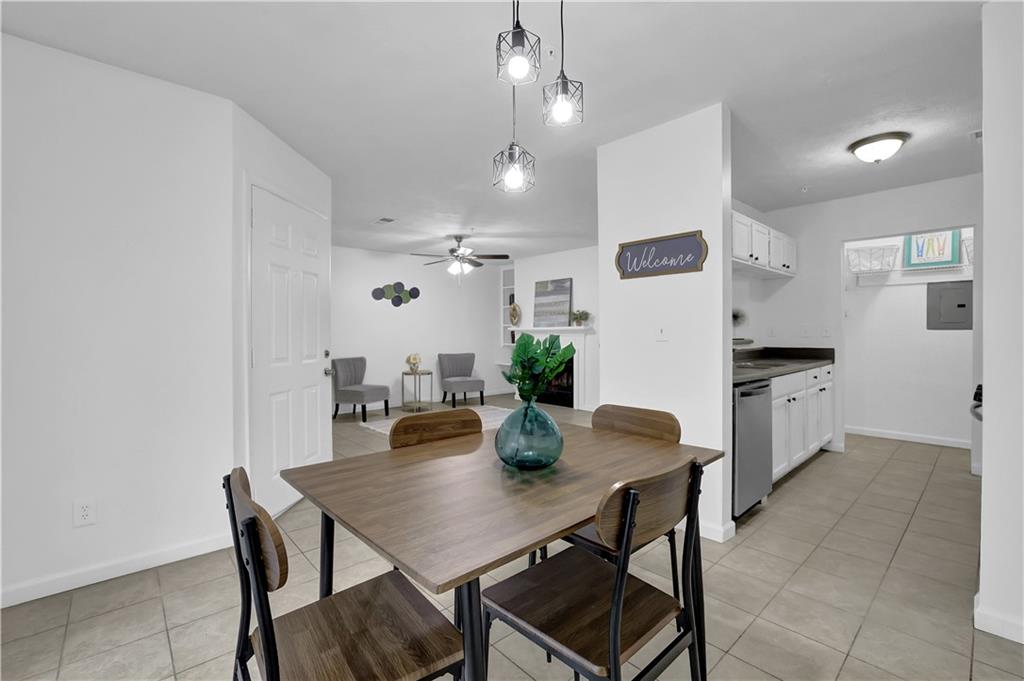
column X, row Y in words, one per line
column 529, row 438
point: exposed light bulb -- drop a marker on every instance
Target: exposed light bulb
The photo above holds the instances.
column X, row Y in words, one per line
column 457, row 268
column 561, row 110
column 518, row 67
column 514, row 177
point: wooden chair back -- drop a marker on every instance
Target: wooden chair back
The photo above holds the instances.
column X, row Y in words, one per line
column 272, row 549
column 434, row 425
column 664, row 501
column 651, row 423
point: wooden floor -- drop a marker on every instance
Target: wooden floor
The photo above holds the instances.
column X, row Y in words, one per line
column 862, row 566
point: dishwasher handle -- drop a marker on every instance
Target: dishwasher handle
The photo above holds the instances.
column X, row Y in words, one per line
column 756, row 392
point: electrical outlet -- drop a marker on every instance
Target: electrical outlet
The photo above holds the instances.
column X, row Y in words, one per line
column 660, row 336
column 826, row 332
column 771, row 332
column 83, row 512
column 805, row 330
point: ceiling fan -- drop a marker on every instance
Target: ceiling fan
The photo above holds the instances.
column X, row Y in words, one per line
column 462, row 258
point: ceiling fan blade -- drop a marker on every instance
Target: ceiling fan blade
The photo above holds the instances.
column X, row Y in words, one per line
column 434, row 262
column 473, row 262
column 492, row 256
column 429, row 255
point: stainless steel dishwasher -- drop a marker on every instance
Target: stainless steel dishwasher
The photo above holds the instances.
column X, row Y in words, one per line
column 751, row 444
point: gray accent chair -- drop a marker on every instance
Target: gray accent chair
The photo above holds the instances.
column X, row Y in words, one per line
column 457, row 376
column 349, row 387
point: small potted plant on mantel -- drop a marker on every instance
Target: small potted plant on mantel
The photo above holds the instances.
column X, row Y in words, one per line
column 529, row 438
column 580, row 317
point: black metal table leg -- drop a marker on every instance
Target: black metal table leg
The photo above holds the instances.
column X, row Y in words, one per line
column 326, row 555
column 472, row 631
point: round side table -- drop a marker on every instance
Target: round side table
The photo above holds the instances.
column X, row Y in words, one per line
column 418, row 403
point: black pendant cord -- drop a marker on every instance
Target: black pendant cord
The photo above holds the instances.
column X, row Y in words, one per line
column 515, row 13
column 561, row 22
column 513, row 114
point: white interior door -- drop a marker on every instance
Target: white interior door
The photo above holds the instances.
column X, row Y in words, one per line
column 290, row 394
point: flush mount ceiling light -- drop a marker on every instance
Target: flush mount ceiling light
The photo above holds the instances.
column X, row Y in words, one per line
column 563, row 98
column 518, row 53
column 878, row 148
column 514, row 165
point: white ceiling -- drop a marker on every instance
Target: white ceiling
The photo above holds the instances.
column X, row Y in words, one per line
column 398, row 103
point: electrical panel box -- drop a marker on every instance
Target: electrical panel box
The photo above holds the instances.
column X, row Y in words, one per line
column 950, row 306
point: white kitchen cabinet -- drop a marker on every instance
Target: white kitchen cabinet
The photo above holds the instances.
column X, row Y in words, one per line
column 812, row 419
column 760, row 251
column 827, row 413
column 741, row 237
column 760, row 240
column 789, row 262
column 802, row 417
column 780, row 437
column 798, row 451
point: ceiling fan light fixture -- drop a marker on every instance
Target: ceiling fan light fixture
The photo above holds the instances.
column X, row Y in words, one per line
column 459, row 268
column 518, row 53
column 878, row 148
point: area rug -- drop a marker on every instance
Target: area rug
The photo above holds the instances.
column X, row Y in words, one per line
column 491, row 417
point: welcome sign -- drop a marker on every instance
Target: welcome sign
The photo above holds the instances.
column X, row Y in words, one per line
column 672, row 254
column 933, row 249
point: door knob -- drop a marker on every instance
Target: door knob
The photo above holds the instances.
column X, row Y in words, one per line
column 329, row 371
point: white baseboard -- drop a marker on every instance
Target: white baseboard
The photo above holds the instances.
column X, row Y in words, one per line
column 718, row 533
column 998, row 624
column 73, row 579
column 910, row 437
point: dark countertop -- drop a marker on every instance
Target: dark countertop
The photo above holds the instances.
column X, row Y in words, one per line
column 788, row 360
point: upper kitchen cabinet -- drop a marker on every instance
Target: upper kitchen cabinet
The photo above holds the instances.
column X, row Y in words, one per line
column 760, row 251
column 742, row 246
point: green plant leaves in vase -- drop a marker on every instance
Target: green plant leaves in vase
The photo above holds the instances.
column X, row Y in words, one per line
column 535, row 363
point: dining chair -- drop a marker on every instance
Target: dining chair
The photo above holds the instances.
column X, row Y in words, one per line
column 381, row 630
column 658, row 425
column 457, row 375
column 592, row 614
column 349, row 387
column 430, row 427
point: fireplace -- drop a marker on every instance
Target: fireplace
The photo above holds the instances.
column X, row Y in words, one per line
column 560, row 390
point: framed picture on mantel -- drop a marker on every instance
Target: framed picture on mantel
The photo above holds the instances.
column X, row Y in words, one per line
column 552, row 303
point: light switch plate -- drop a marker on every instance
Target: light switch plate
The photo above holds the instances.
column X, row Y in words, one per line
column 660, row 335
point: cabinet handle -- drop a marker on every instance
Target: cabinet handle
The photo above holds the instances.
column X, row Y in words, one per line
column 756, row 258
column 821, row 390
column 751, row 255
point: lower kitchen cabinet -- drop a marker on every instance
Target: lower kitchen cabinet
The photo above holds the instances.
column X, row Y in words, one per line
column 802, row 418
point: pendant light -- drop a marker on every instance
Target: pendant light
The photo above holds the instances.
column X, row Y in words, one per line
column 563, row 98
column 513, row 165
column 518, row 53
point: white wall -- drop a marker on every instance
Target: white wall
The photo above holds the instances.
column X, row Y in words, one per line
column 117, row 319
column 672, row 178
column 445, row 318
column 580, row 265
column 999, row 607
column 807, row 310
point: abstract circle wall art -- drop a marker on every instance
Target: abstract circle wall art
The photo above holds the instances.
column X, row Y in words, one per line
column 396, row 293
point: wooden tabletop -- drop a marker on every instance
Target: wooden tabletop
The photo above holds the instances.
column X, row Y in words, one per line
column 449, row 511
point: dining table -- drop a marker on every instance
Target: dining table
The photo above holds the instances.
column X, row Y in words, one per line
column 449, row 511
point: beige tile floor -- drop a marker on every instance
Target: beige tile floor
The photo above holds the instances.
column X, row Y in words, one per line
column 861, row 566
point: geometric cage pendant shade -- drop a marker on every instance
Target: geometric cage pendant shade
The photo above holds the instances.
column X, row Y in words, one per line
column 518, row 53
column 563, row 102
column 514, row 169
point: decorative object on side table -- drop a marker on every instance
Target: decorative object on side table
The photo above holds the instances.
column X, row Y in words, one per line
column 529, row 438
column 580, row 317
column 515, row 314
column 413, row 361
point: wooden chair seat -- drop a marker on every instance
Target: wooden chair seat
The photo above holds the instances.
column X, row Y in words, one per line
column 566, row 600
column 380, row 630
